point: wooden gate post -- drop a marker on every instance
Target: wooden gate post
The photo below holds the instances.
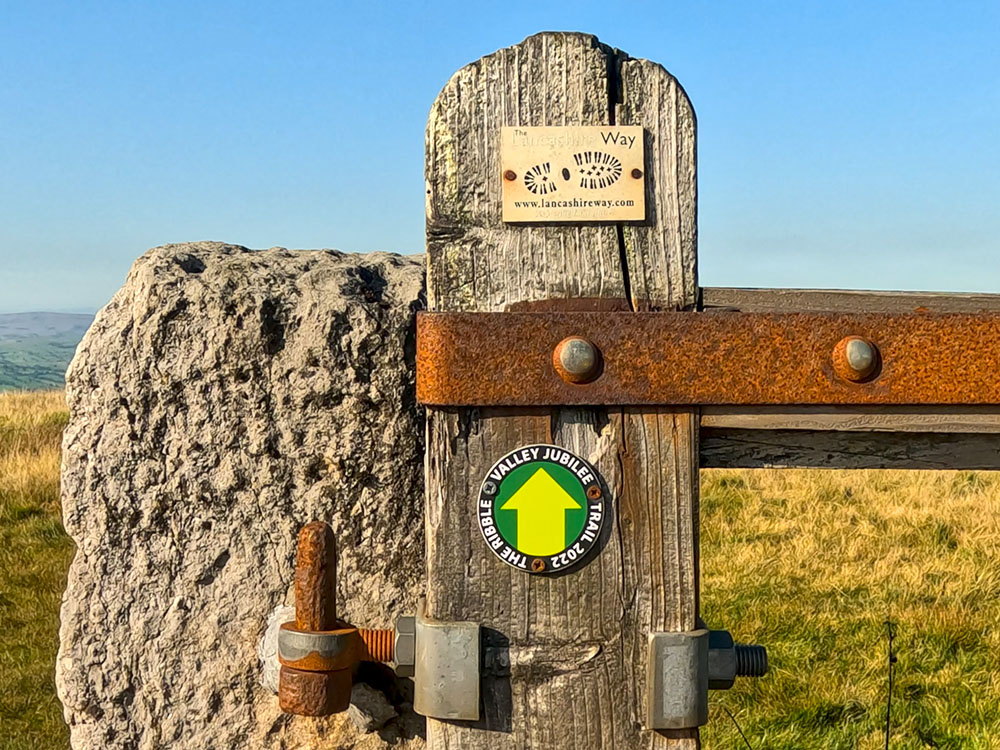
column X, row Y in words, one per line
column 565, row 656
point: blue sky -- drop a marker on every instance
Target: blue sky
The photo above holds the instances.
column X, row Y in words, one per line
column 841, row 144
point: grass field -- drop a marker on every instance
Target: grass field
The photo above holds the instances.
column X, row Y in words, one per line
column 812, row 563
column 34, row 555
column 809, row 563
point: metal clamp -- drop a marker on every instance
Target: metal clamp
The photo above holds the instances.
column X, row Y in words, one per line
column 446, row 665
column 682, row 667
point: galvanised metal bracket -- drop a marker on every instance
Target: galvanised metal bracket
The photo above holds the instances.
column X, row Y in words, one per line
column 683, row 667
column 699, row 358
column 446, row 668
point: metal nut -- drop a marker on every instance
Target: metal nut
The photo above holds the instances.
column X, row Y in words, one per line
column 319, row 651
column 405, row 646
column 728, row 660
column 721, row 660
column 314, row 693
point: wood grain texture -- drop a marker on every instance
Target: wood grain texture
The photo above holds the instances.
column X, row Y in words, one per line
column 564, row 656
column 778, row 449
column 845, row 300
column 661, row 254
column 942, row 419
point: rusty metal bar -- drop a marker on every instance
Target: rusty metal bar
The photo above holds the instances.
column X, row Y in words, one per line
column 693, row 358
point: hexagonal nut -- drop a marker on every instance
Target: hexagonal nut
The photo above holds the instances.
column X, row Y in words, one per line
column 404, row 647
column 721, row 660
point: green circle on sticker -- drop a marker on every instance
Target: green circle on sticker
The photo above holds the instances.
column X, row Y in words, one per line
column 540, row 509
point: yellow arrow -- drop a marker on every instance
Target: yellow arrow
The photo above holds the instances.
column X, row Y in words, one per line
column 541, row 504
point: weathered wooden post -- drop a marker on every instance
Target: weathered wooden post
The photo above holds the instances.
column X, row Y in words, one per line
column 565, row 656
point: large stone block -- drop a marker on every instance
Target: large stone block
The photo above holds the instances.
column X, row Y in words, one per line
column 223, row 398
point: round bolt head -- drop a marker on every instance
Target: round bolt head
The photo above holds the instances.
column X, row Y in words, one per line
column 576, row 360
column 855, row 358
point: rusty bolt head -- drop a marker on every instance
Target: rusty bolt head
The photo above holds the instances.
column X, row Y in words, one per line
column 576, row 360
column 538, row 565
column 593, row 492
column 404, row 647
column 855, row 358
column 636, row 173
column 510, row 175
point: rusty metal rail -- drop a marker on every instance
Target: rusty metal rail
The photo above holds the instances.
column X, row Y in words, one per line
column 693, row 358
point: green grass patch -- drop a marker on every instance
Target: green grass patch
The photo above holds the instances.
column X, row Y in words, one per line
column 812, row 563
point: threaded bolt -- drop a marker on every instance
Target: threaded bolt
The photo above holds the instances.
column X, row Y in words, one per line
column 378, row 642
column 751, row 660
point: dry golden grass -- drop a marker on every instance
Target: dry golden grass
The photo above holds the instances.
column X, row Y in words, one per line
column 34, row 555
column 809, row 563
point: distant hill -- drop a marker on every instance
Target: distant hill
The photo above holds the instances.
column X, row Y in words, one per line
column 35, row 348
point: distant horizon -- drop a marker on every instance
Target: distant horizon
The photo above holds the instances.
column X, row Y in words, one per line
column 50, row 312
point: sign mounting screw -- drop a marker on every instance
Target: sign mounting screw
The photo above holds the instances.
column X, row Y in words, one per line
column 576, row 360
column 636, row 174
column 855, row 358
column 510, row 175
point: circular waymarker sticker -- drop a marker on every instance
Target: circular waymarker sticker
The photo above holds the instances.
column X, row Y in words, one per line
column 541, row 508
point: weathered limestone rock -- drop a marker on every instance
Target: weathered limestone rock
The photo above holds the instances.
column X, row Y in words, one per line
column 222, row 399
column 369, row 709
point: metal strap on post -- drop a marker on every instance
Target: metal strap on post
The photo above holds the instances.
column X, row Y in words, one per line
column 699, row 358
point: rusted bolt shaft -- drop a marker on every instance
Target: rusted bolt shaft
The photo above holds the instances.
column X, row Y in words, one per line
column 316, row 578
column 318, row 654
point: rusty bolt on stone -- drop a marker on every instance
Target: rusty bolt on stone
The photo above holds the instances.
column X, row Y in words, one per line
column 855, row 358
column 576, row 360
column 318, row 652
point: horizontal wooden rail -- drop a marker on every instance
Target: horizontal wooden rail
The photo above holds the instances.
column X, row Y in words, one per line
column 942, row 419
column 845, row 301
column 756, row 449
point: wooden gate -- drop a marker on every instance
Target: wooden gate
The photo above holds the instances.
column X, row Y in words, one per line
column 679, row 377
